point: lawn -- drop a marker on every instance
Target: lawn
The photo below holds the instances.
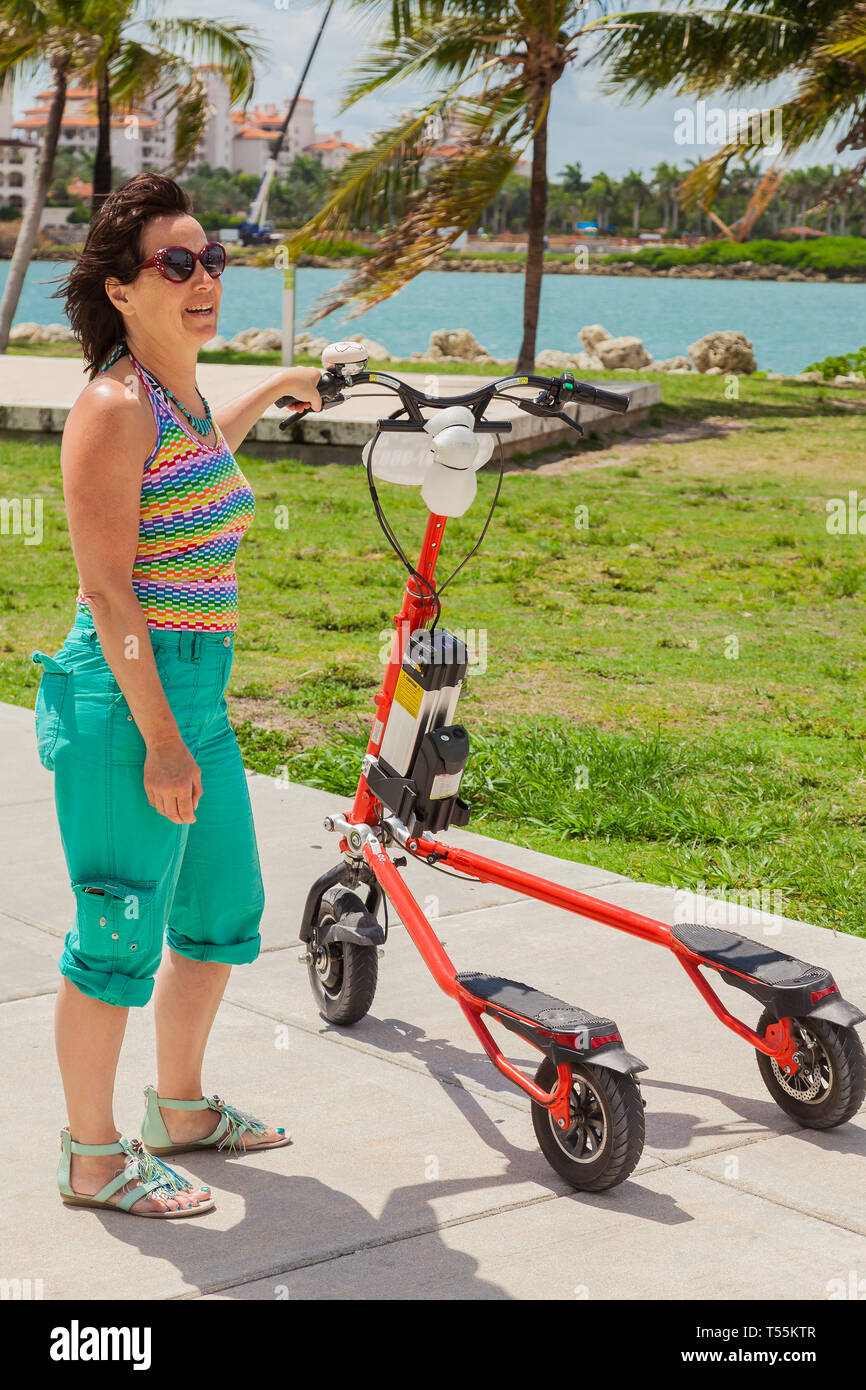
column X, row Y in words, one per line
column 670, row 642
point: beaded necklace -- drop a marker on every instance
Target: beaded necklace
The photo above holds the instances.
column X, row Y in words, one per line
column 203, row 423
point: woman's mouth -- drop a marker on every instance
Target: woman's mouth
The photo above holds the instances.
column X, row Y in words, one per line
column 201, row 310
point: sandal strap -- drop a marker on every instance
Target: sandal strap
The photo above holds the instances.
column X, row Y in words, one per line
column 166, row 1103
column 236, row 1123
column 149, row 1168
column 77, row 1148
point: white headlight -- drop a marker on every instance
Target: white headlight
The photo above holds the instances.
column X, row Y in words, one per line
column 449, row 491
column 455, row 446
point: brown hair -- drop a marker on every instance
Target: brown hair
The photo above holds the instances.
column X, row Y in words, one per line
column 113, row 248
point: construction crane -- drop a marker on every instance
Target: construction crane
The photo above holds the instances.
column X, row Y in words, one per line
column 256, row 230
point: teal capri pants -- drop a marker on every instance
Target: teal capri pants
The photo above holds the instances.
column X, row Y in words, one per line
column 138, row 878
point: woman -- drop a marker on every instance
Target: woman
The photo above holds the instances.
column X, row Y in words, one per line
column 150, row 790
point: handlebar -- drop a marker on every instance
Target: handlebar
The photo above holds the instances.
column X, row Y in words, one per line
column 555, row 392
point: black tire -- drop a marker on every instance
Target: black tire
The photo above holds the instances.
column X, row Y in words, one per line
column 343, row 977
column 605, row 1140
column 832, row 1088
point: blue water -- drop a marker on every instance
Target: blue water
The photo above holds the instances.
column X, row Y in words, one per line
column 790, row 324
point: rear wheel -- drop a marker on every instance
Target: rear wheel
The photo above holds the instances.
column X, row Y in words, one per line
column 830, row 1083
column 604, row 1138
column 343, row 976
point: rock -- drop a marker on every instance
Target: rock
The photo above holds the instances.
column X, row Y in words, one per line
column 457, row 344
column 729, row 351
column 622, row 352
column 809, row 376
column 593, row 335
column 217, row 344
column 552, row 360
column 849, row 379
column 673, row 364
column 774, row 376
column 374, row 349
column 714, row 371
column 792, row 275
column 24, row 334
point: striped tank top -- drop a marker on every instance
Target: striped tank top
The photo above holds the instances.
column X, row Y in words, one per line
column 196, row 505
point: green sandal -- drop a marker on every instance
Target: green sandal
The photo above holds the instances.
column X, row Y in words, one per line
column 154, row 1177
column 232, row 1125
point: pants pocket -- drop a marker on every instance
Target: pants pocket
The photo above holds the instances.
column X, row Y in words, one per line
column 48, row 711
column 114, row 917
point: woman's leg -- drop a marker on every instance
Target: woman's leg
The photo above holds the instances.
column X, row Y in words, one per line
column 88, row 1035
column 185, row 1000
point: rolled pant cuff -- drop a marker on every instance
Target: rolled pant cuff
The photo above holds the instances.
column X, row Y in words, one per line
column 231, row 953
column 112, row 988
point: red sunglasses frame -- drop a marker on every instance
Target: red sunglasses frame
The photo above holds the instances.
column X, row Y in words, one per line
column 157, row 260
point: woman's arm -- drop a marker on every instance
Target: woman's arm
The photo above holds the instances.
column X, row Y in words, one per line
column 237, row 417
column 107, row 437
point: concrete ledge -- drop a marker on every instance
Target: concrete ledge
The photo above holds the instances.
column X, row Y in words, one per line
column 38, row 393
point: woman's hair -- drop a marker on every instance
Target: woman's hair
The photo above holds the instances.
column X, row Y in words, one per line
column 112, row 248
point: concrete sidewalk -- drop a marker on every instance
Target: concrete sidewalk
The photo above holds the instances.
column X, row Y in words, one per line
column 414, row 1171
column 37, row 393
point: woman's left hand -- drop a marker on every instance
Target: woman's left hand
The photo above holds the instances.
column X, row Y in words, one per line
column 302, row 382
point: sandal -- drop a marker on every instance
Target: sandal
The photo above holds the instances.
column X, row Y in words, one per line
column 232, row 1125
column 154, row 1177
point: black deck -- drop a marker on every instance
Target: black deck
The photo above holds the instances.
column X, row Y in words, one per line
column 529, row 1003
column 746, row 957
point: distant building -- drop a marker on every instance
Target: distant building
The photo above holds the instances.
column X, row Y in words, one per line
column 141, row 137
column 18, row 158
column 239, row 140
column 446, row 137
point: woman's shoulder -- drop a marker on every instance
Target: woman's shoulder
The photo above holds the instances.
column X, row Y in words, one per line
column 115, row 406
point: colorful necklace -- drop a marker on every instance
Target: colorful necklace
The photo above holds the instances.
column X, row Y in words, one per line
column 203, row 423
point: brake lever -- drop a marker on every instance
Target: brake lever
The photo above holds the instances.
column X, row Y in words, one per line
column 299, row 414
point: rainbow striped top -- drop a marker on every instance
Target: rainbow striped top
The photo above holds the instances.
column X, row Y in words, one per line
column 196, row 505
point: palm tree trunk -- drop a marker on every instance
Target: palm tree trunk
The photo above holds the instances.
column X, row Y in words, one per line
column 30, row 222
column 535, row 245
column 102, row 159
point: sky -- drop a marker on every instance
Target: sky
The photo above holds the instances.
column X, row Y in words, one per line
column 586, row 126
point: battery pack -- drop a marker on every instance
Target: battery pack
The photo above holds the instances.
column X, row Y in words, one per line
column 423, row 753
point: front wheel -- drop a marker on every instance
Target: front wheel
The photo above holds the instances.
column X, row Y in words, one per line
column 830, row 1084
column 343, row 977
column 605, row 1134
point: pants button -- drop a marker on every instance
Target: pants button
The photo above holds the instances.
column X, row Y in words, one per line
column 227, row 641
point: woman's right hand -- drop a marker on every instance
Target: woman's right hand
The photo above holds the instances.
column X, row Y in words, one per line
column 172, row 780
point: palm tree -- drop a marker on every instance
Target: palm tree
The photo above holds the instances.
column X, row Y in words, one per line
column 33, row 32
column 600, row 197
column 742, row 44
column 163, row 61
column 633, row 188
column 492, row 65
column 665, row 182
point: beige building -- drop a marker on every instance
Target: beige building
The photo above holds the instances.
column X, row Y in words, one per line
column 141, row 137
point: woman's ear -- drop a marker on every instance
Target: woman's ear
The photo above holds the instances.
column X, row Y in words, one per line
column 118, row 295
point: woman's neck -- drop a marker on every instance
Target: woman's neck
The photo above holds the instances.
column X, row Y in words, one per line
column 177, row 374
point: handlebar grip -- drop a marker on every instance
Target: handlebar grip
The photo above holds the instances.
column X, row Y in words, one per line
column 594, row 395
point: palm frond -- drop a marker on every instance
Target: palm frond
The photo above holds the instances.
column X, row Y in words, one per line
column 454, row 196
column 695, row 50
column 446, row 49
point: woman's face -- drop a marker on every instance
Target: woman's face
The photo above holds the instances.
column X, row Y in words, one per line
column 170, row 310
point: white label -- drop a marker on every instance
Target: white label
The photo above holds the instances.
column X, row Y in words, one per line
column 445, row 784
column 378, row 729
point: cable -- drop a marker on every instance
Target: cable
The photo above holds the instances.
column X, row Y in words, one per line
column 388, row 532
column 487, row 522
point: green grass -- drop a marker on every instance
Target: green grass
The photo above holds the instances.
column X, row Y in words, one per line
column 833, row 254
column 696, row 649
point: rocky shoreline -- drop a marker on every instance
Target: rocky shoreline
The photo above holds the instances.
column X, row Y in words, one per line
column 738, row 270
column 721, row 353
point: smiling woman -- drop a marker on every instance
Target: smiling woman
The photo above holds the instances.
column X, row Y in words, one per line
column 135, row 726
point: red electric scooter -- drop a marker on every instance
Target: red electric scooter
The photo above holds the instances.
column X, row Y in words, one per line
column 587, row 1109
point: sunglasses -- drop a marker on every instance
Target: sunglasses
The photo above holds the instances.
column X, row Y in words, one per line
column 177, row 263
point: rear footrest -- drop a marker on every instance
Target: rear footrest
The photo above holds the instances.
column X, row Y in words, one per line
column 561, row 1030
column 530, row 1003
column 786, row 984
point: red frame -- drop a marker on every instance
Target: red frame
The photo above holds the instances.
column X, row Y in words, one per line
column 779, row 1042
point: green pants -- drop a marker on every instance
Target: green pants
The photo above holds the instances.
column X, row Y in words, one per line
column 137, row 877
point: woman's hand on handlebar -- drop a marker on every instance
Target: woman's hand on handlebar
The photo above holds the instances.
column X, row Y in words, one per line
column 302, row 383
column 172, row 780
